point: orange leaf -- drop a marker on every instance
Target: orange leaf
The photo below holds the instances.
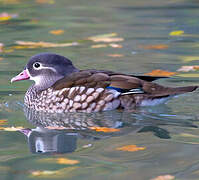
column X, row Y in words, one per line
column 164, row 177
column 57, row 32
column 156, row 46
column 115, row 55
column 130, row 148
column 104, row 129
column 159, row 72
column 67, row 161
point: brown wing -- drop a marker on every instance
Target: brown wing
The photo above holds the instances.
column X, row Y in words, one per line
column 94, row 78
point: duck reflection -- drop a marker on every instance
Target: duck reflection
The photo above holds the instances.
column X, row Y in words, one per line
column 58, row 133
column 43, row 140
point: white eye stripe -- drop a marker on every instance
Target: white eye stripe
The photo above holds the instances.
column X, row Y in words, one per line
column 44, row 67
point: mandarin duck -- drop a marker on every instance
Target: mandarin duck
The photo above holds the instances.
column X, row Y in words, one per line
column 61, row 87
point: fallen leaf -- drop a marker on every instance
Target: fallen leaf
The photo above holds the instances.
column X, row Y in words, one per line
column 176, row 33
column 104, row 129
column 60, row 161
column 1, row 47
column 11, row 128
column 41, row 44
column 61, row 173
column 1, row 59
column 188, row 68
column 99, row 46
column 154, row 46
column 45, row 1
column 106, row 38
column 189, row 58
column 43, row 173
column 67, row 161
column 5, row 16
column 164, row 177
column 115, row 55
column 130, row 148
column 3, row 122
column 57, row 32
column 159, row 72
column 115, row 45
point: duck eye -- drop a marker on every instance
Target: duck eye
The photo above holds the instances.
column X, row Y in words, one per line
column 36, row 65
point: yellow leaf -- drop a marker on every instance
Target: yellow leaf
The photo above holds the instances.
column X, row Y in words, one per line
column 5, row 18
column 67, row 161
column 45, row 1
column 176, row 33
column 164, row 177
column 130, row 148
column 104, row 129
column 115, row 55
column 41, row 44
column 99, row 46
column 11, row 128
column 3, row 121
column 159, row 72
column 189, row 58
column 154, row 46
column 57, row 32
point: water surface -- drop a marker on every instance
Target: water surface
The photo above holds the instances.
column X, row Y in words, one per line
column 168, row 132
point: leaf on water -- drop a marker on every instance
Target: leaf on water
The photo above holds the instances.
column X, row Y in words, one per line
column 41, row 44
column 176, row 33
column 45, row 1
column 11, row 128
column 43, row 173
column 3, row 122
column 60, row 161
column 5, row 16
column 113, row 45
column 61, row 173
column 115, row 55
column 188, row 68
column 104, row 129
column 154, row 46
column 189, row 58
column 159, row 72
column 164, row 177
column 106, row 38
column 57, row 32
column 131, row 148
column 67, row 161
column 99, row 46
column 1, row 47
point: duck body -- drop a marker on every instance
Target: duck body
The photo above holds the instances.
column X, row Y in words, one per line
column 60, row 87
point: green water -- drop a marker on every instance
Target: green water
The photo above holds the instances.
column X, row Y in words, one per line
column 168, row 132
